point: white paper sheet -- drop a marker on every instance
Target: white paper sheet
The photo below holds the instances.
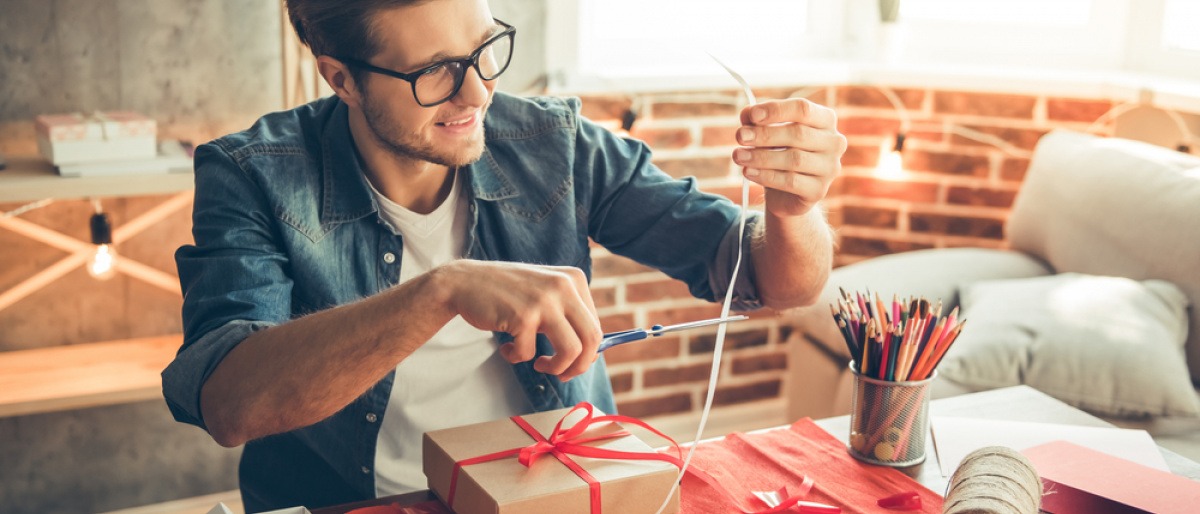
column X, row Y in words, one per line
column 957, row 437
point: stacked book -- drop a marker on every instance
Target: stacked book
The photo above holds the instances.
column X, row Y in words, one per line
column 108, row 143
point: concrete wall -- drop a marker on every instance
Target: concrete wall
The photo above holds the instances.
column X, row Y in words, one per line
column 201, row 68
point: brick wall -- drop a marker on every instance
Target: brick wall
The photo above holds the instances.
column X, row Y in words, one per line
column 955, row 192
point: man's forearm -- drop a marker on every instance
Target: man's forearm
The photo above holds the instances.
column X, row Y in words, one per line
column 792, row 259
column 296, row 374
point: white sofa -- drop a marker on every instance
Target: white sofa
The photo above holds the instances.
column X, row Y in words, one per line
column 1089, row 205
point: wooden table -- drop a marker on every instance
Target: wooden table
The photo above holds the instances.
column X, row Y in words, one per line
column 1020, row 403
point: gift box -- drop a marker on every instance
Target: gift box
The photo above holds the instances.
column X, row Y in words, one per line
column 100, row 136
column 563, row 461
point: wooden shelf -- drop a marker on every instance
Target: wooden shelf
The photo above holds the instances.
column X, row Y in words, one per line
column 32, row 178
column 84, row 375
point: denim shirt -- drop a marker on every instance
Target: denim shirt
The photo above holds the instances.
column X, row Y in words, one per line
column 285, row 225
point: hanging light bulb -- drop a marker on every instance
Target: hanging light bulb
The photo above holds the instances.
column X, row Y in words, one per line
column 103, row 262
column 891, row 162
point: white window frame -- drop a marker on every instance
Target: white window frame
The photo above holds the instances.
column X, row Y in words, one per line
column 1118, row 52
column 1148, row 55
column 1089, row 46
column 566, row 70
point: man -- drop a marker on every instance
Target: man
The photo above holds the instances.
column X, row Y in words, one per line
column 358, row 260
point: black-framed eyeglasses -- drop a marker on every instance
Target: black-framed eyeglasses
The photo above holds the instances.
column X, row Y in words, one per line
column 440, row 81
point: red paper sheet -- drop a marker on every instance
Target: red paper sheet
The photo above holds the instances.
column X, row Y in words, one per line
column 769, row 460
column 1082, row 480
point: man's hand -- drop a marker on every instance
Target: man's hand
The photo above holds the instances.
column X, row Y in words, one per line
column 794, row 151
column 524, row 300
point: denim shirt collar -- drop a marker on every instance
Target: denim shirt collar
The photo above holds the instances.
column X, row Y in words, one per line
column 346, row 195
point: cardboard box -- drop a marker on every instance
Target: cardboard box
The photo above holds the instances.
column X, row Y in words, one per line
column 101, row 136
column 505, row 486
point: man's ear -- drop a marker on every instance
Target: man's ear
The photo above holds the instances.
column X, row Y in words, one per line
column 341, row 81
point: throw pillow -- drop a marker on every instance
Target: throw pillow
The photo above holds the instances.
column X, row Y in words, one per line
column 1108, row 345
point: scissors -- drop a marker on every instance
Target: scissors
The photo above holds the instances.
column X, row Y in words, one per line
column 628, row 336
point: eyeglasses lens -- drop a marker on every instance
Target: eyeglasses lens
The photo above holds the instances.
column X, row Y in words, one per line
column 442, row 82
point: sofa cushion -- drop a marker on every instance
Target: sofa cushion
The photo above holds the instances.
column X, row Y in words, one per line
column 1109, row 345
column 1107, row 206
column 934, row 274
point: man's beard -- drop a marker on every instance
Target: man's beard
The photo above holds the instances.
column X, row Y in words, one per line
column 410, row 144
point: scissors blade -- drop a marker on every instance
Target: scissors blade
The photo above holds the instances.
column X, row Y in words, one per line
column 694, row 324
column 738, row 77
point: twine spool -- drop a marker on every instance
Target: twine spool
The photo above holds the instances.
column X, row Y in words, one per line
column 994, row 480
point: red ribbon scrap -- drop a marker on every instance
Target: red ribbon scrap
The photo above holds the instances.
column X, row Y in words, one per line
column 570, row 441
column 909, row 500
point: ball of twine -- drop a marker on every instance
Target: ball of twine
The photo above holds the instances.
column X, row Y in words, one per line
column 994, row 480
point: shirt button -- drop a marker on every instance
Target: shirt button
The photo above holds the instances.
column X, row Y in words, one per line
column 366, row 470
column 540, row 388
column 389, row 257
column 371, row 417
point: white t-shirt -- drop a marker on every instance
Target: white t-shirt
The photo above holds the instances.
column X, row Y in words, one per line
column 458, row 377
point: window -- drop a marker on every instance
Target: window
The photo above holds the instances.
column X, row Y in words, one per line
column 601, row 44
column 598, row 40
column 1179, row 25
column 1062, row 34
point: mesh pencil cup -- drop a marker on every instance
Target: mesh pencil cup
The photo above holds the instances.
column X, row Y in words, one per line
column 889, row 421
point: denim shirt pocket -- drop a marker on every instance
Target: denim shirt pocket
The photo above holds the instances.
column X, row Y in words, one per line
column 540, row 222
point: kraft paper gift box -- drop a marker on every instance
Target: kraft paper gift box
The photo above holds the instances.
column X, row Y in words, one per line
column 101, row 136
column 504, row 485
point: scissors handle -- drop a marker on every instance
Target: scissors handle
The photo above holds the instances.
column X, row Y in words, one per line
column 617, row 338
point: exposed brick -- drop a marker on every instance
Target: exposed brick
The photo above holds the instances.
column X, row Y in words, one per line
column 956, row 225
column 816, row 94
column 748, row 392
column 861, row 96
column 616, row 266
column 621, row 382
column 733, row 340
column 870, row 216
column 932, row 136
column 1020, row 138
column 657, row 377
column 666, row 347
column 1067, row 109
column 719, row 135
column 734, row 193
column 872, row 247
column 600, row 108
column 981, row 196
column 947, row 162
column 984, row 104
column 663, row 138
column 922, row 192
column 785, row 332
column 694, row 109
column 615, row 322
column 656, row 290
column 860, row 126
column 744, row 364
column 1014, row 169
column 657, row 406
column 861, row 155
column 699, row 167
column 690, row 311
column 604, row 296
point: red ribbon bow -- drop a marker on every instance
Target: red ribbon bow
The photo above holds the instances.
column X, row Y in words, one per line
column 570, row 441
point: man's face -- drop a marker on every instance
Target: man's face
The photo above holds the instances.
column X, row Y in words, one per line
column 411, row 38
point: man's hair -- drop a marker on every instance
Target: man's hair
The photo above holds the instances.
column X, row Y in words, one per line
column 339, row 28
